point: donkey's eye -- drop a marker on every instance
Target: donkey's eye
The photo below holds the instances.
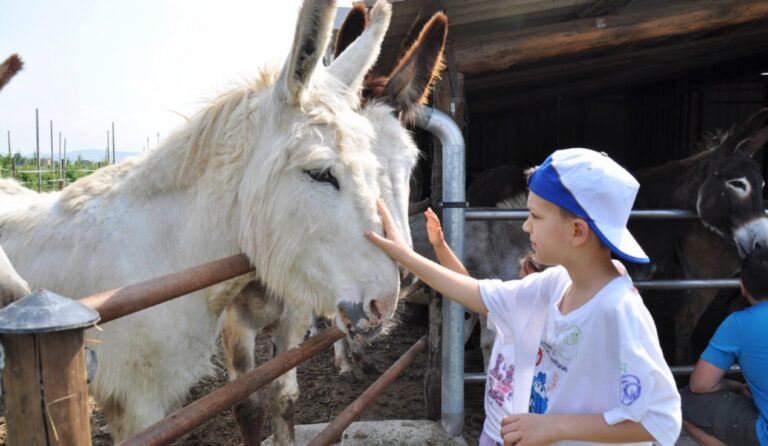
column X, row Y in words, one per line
column 323, row 176
column 738, row 184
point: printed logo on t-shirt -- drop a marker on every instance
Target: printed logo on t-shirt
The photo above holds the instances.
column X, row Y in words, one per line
column 631, row 388
column 500, row 381
column 539, row 399
column 568, row 342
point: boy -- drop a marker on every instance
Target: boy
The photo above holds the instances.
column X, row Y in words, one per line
column 586, row 357
column 722, row 411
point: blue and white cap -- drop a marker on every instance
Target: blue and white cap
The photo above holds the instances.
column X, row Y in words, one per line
column 594, row 187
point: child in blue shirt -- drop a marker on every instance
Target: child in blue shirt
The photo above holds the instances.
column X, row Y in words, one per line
column 720, row 411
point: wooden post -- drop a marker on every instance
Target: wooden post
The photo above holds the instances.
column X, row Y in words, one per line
column 45, row 376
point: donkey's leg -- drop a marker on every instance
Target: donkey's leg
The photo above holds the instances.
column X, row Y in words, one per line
column 486, row 340
column 707, row 256
column 361, row 361
column 284, row 391
column 250, row 311
column 470, row 320
column 238, row 342
column 341, row 361
column 128, row 417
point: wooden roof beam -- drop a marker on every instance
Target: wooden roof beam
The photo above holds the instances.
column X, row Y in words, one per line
column 603, row 7
column 501, row 50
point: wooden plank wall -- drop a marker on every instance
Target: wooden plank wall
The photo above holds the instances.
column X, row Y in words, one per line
column 642, row 126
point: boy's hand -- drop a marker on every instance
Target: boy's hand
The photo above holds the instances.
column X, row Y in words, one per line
column 393, row 245
column 526, row 429
column 434, row 230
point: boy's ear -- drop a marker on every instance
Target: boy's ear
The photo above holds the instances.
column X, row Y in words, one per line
column 580, row 231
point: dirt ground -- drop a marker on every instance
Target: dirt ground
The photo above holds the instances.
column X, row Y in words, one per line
column 324, row 394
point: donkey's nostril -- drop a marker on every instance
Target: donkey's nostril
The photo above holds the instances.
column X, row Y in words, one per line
column 375, row 311
column 757, row 246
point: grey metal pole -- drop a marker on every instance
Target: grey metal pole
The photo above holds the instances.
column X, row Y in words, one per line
column 454, row 202
column 61, row 168
column 52, row 164
column 37, row 145
column 113, row 144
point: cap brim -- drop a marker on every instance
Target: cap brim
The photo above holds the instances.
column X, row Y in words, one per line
column 620, row 242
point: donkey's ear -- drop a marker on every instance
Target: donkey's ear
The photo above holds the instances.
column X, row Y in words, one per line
column 354, row 25
column 313, row 32
column 9, row 68
column 353, row 63
column 411, row 80
column 747, row 131
column 751, row 145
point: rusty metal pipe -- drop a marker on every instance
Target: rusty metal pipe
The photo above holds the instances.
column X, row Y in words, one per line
column 189, row 417
column 332, row 433
column 120, row 302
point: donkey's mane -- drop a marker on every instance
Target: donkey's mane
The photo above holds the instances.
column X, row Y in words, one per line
column 215, row 140
column 518, row 201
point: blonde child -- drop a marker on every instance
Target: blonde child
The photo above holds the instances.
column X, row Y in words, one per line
column 586, row 366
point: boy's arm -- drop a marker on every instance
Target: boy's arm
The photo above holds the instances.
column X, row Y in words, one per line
column 533, row 429
column 444, row 253
column 460, row 288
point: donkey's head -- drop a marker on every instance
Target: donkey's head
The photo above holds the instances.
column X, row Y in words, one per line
column 312, row 180
column 730, row 200
column 390, row 101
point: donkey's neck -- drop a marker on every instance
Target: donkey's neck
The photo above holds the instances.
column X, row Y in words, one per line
column 672, row 185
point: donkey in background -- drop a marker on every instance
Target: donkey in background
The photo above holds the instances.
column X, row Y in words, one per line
column 725, row 187
column 271, row 159
column 399, row 94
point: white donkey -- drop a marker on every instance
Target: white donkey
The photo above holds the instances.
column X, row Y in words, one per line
column 12, row 286
column 283, row 170
column 396, row 95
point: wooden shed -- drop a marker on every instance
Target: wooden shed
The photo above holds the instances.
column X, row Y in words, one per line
column 642, row 80
column 639, row 79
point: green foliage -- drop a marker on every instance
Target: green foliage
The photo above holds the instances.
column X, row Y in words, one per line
column 26, row 171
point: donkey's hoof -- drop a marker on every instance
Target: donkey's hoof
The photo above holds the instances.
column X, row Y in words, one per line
column 369, row 368
column 349, row 376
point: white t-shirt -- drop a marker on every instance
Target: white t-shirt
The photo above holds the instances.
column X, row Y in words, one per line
column 604, row 357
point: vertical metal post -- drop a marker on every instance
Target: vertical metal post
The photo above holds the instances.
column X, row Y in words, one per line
column 37, row 153
column 45, row 375
column 10, row 157
column 454, row 198
column 61, row 170
column 52, row 163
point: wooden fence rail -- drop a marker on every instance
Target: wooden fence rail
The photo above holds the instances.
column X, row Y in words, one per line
column 187, row 418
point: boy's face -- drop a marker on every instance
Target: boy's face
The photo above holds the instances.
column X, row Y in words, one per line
column 549, row 230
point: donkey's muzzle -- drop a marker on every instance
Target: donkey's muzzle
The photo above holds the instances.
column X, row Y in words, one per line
column 358, row 323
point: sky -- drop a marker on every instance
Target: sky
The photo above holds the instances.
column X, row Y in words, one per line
column 141, row 64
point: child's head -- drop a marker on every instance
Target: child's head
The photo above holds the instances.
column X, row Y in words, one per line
column 592, row 190
column 754, row 274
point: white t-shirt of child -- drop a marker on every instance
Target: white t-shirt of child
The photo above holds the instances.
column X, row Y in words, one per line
column 604, row 357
